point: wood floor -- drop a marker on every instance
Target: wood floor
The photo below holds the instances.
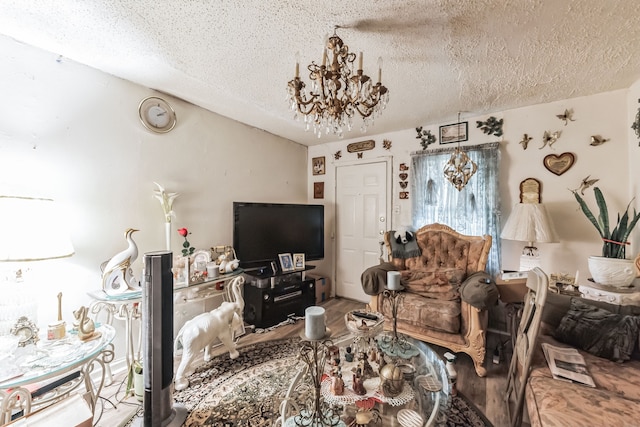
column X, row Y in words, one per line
column 486, row 392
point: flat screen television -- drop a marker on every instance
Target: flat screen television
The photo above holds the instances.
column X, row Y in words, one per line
column 261, row 231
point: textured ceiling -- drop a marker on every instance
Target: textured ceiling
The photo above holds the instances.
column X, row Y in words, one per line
column 440, row 56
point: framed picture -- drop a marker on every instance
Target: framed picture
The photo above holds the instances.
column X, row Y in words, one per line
column 200, row 259
column 454, row 133
column 286, row 263
column 180, row 272
column 318, row 190
column 298, row 261
column 317, row 163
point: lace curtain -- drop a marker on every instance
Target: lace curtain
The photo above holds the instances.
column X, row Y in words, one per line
column 472, row 211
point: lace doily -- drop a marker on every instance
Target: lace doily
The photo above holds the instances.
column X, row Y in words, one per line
column 372, row 386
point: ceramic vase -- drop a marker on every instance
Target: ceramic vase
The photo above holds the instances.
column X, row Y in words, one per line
column 615, row 272
column 167, row 235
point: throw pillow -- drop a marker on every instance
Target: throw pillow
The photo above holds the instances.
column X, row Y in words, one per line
column 479, row 290
column 598, row 331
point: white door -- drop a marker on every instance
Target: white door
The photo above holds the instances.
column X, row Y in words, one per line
column 362, row 215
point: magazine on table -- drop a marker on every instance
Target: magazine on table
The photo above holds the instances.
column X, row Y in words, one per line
column 567, row 364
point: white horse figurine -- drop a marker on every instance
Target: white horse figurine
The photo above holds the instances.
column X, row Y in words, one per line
column 200, row 332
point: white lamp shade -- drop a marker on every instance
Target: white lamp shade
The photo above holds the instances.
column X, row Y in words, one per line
column 529, row 222
column 32, row 229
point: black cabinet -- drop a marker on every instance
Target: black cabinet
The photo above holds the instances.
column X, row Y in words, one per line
column 268, row 306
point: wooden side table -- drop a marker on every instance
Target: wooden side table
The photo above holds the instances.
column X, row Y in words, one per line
column 610, row 294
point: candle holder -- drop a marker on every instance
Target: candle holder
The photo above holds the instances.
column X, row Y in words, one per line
column 319, row 413
column 395, row 345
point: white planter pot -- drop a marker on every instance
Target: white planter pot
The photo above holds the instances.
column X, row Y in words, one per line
column 614, row 272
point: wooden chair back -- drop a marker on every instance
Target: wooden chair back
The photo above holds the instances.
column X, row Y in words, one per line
column 525, row 344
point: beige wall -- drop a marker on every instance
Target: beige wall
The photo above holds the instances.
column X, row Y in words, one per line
column 605, row 114
column 72, row 133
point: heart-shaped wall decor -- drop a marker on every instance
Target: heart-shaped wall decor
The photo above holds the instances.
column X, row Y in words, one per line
column 403, row 176
column 559, row 164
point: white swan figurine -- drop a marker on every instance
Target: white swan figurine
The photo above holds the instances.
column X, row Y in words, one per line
column 117, row 275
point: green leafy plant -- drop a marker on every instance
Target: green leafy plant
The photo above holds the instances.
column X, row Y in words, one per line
column 614, row 241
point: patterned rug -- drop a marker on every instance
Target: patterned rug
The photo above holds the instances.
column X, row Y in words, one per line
column 247, row 391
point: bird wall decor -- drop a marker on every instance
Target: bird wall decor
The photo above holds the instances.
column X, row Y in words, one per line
column 586, row 183
column 567, row 116
column 598, row 140
column 117, row 275
column 549, row 138
column 525, row 141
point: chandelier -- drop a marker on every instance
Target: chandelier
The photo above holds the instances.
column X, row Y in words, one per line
column 459, row 168
column 337, row 92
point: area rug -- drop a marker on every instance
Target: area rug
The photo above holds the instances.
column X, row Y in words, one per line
column 247, row 391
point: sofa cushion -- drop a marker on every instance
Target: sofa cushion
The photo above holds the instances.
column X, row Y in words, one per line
column 598, row 331
column 622, row 379
column 436, row 283
column 415, row 310
column 553, row 402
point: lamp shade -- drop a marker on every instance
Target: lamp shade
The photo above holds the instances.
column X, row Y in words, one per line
column 32, row 229
column 529, row 222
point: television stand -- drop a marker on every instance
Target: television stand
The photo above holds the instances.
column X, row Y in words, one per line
column 270, row 299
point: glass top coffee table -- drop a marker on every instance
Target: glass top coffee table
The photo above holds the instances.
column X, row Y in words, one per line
column 420, row 398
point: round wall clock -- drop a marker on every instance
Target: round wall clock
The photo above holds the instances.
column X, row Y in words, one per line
column 157, row 115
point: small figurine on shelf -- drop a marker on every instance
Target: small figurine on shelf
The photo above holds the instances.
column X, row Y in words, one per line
column 337, row 384
column 334, row 355
column 381, row 360
column 85, row 326
column 358, row 383
column 348, row 355
column 365, row 366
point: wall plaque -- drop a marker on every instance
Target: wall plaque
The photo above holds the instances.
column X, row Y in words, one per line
column 354, row 147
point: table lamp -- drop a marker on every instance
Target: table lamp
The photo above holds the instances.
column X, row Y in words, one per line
column 529, row 222
column 31, row 229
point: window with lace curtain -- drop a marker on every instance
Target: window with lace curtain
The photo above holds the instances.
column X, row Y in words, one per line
column 472, row 211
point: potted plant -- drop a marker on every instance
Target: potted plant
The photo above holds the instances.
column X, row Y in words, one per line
column 612, row 268
column 135, row 380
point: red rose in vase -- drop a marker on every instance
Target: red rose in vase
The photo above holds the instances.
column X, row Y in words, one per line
column 187, row 248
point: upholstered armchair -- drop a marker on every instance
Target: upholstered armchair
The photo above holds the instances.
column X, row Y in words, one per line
column 436, row 269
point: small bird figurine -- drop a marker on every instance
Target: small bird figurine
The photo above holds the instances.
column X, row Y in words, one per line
column 566, row 117
column 597, row 140
column 549, row 138
column 525, row 141
column 586, row 183
column 117, row 270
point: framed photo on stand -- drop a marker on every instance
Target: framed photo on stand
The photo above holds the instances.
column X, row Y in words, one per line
column 181, row 272
column 286, row 263
column 298, row 261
